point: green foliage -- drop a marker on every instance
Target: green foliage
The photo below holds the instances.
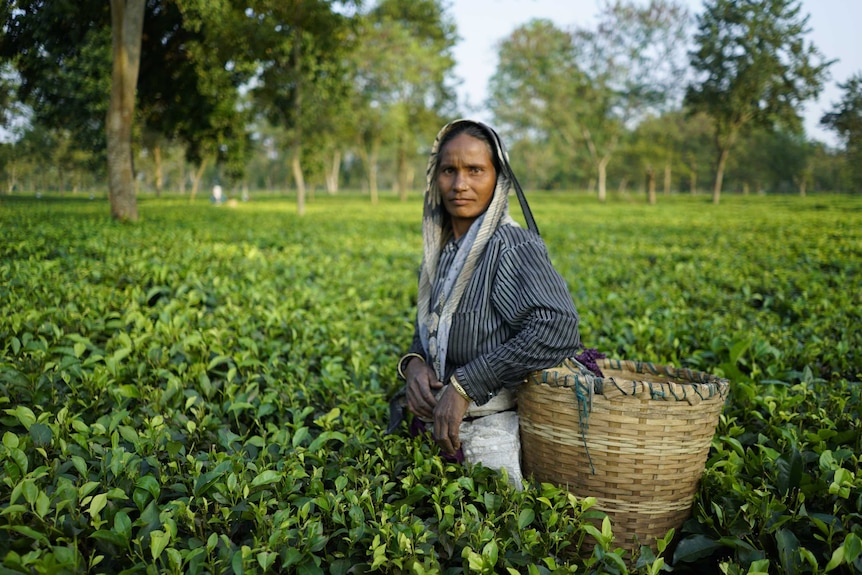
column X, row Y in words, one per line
column 754, row 69
column 845, row 118
column 401, row 88
column 206, row 391
column 581, row 90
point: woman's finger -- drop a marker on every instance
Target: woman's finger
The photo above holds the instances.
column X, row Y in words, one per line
column 418, row 401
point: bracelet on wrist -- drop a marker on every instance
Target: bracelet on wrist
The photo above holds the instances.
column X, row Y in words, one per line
column 459, row 388
column 405, row 359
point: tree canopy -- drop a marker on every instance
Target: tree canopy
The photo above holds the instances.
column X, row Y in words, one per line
column 845, row 119
column 754, row 67
column 295, row 94
column 585, row 88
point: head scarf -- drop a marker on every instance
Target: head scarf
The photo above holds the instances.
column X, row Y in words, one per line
column 435, row 318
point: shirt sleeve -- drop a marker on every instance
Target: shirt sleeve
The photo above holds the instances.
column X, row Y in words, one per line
column 416, row 345
column 534, row 301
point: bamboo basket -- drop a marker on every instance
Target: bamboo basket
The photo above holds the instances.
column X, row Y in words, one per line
column 636, row 439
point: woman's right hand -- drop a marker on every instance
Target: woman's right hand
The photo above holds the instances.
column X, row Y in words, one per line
column 422, row 385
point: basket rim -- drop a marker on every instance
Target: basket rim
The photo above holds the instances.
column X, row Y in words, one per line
column 682, row 381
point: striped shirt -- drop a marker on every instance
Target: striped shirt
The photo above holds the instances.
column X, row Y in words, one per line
column 516, row 315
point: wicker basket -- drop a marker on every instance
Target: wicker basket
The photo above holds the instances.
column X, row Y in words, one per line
column 636, row 439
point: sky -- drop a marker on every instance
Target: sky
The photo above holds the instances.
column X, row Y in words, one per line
column 482, row 24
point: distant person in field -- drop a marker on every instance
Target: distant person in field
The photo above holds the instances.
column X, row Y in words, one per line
column 217, row 194
column 491, row 306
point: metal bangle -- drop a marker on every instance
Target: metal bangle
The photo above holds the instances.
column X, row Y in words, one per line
column 459, row 388
column 406, row 358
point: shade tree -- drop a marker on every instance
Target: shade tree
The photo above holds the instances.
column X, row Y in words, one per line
column 754, row 68
column 845, row 119
column 93, row 68
column 401, row 91
column 589, row 86
column 299, row 48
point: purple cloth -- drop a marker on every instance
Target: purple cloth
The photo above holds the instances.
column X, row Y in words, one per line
column 588, row 357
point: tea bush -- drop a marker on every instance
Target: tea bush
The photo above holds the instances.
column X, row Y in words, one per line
column 206, row 391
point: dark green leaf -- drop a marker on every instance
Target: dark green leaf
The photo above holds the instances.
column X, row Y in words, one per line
column 788, row 551
column 112, row 537
column 790, row 469
column 694, row 548
column 41, row 434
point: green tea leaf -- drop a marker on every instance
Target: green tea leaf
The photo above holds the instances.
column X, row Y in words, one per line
column 790, row 470
column 41, row 434
column 852, row 547
column 299, row 436
column 266, row 558
column 149, row 484
column 525, row 518
column 111, row 537
column 25, row 415
column 836, row 560
column 30, row 532
column 325, row 437
column 694, row 548
column 97, row 504
column 266, row 478
column 20, row 460
column 158, row 541
column 738, row 349
column 80, row 465
column 123, row 524
column 788, row 551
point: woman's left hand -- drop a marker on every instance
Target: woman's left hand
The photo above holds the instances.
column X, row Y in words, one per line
column 448, row 415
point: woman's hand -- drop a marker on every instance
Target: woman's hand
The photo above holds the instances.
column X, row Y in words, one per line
column 422, row 386
column 448, row 416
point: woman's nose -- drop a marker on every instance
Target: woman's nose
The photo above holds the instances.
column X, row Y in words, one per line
column 460, row 181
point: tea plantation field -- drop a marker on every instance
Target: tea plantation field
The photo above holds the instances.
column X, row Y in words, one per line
column 206, row 391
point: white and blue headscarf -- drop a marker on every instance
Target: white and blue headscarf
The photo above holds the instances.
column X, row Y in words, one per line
column 435, row 318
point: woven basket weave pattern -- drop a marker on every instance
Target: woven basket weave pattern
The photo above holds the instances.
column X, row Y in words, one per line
column 636, row 439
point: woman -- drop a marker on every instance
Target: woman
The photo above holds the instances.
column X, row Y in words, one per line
column 491, row 307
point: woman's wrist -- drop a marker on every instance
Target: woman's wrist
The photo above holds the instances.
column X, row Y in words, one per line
column 405, row 361
column 453, row 381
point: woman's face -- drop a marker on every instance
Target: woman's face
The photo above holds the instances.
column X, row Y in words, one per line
column 466, row 179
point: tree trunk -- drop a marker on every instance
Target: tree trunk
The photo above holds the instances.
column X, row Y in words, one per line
column 127, row 22
column 196, row 181
column 157, row 157
column 623, row 188
column 296, row 161
column 719, row 175
column 296, row 169
column 667, row 179
column 12, row 167
column 372, row 172
column 602, row 167
column 183, row 178
column 332, row 173
column 650, row 177
column 403, row 173
column 692, row 181
column 369, row 154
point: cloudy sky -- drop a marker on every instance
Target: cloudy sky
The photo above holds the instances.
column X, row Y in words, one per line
column 483, row 23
